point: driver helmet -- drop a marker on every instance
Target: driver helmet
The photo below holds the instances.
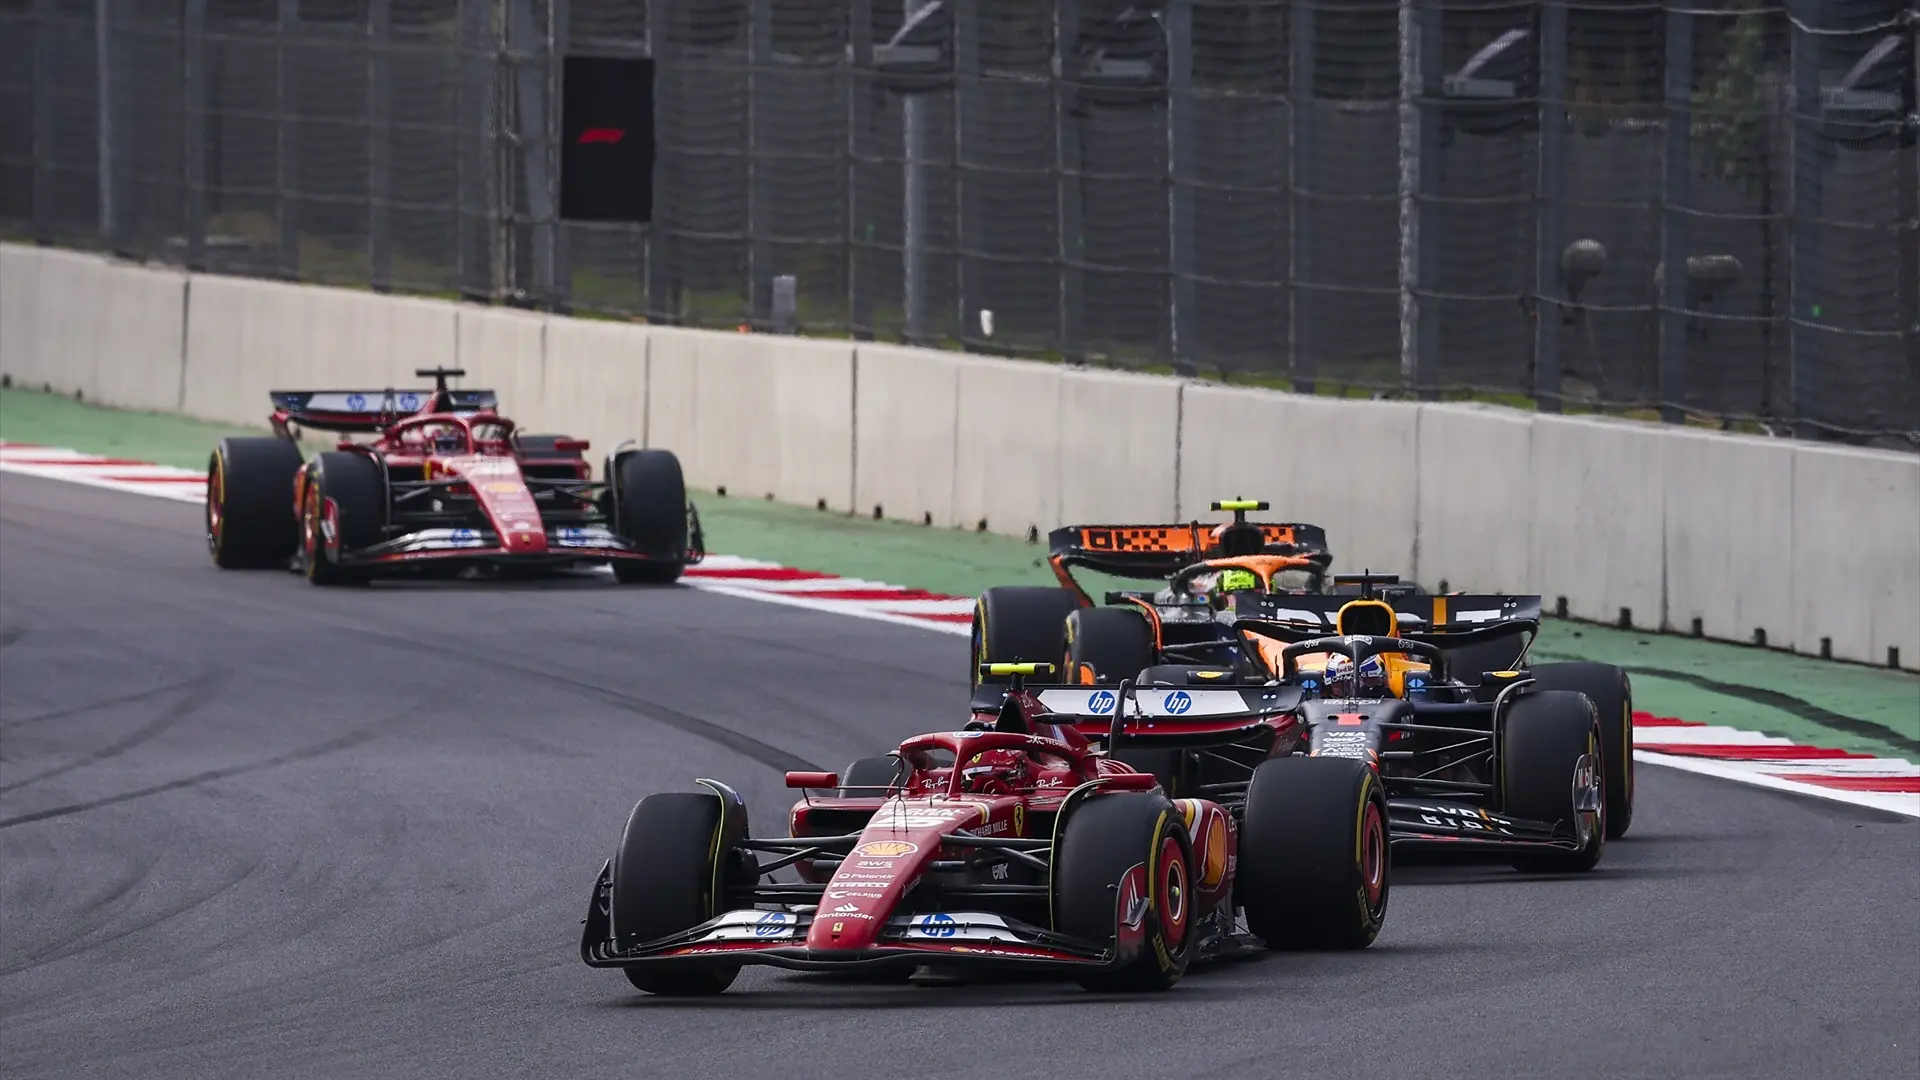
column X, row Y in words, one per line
column 447, row 440
column 1371, row 682
column 994, row 772
column 1233, row 581
column 1337, row 677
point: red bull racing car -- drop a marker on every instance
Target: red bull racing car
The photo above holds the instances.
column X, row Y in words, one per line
column 1012, row 843
column 1531, row 764
column 446, row 484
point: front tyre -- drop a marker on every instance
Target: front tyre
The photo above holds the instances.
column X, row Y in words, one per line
column 1124, row 864
column 1314, row 869
column 251, row 523
column 1552, row 770
column 1015, row 624
column 346, row 496
column 1611, row 692
column 650, row 514
column 667, row 877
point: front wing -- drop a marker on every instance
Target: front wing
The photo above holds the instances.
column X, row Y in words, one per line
column 565, row 544
column 777, row 938
column 1434, row 824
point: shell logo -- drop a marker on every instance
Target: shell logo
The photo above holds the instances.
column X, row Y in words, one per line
column 886, row 849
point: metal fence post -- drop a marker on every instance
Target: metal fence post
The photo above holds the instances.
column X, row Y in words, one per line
column 965, row 20
column 527, row 36
column 1066, row 74
column 1803, row 227
column 1420, row 40
column 103, row 88
column 1548, row 288
column 1671, row 312
column 286, row 143
column 1300, row 68
column 661, row 291
column 43, row 174
column 379, row 143
column 1181, row 158
column 914, row 232
column 193, row 129
column 759, row 202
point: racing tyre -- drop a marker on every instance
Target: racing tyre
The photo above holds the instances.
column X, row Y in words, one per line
column 664, row 878
column 651, row 504
column 1551, row 769
column 1314, row 869
column 865, row 778
column 1611, row 692
column 250, row 519
column 1117, row 850
column 345, row 493
column 1106, row 645
column 1018, row 624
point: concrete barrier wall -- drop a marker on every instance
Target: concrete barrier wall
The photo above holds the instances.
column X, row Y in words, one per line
column 1818, row 547
column 1347, row 466
column 758, row 416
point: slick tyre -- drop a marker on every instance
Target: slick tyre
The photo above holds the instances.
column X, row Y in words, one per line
column 1117, row 850
column 868, row 777
column 345, row 492
column 1106, row 645
column 1314, row 869
column 251, row 523
column 1611, row 692
column 650, row 514
column 1550, row 765
column 667, row 877
column 1018, row 624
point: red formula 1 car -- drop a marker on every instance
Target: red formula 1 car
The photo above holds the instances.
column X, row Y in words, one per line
column 1010, row 844
column 446, row 484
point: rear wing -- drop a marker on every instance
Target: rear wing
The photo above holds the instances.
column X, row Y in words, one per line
column 1157, row 551
column 1456, row 613
column 371, row 410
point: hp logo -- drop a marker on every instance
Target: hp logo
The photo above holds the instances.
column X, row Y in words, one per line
column 1179, row 702
column 1102, row 701
column 939, row 924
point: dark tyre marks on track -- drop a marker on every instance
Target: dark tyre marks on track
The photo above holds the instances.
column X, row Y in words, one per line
column 406, row 903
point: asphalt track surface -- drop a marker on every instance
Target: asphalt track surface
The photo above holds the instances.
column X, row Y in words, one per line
column 249, row 828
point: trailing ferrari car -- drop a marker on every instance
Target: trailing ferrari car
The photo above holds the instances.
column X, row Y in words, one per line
column 1515, row 763
column 1007, row 844
column 446, row 483
column 1184, row 621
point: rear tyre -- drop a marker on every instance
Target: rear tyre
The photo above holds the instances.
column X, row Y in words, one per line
column 665, row 880
column 651, row 505
column 1552, row 770
column 1106, row 645
column 1018, row 624
column 1314, row 869
column 251, row 523
column 352, row 484
column 1116, row 848
column 1611, row 692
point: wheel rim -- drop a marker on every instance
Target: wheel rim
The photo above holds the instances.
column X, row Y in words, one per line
column 1173, row 892
column 310, row 533
column 1373, row 857
column 216, row 506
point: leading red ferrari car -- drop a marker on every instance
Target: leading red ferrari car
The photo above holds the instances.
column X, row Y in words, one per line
column 1014, row 844
column 447, row 483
